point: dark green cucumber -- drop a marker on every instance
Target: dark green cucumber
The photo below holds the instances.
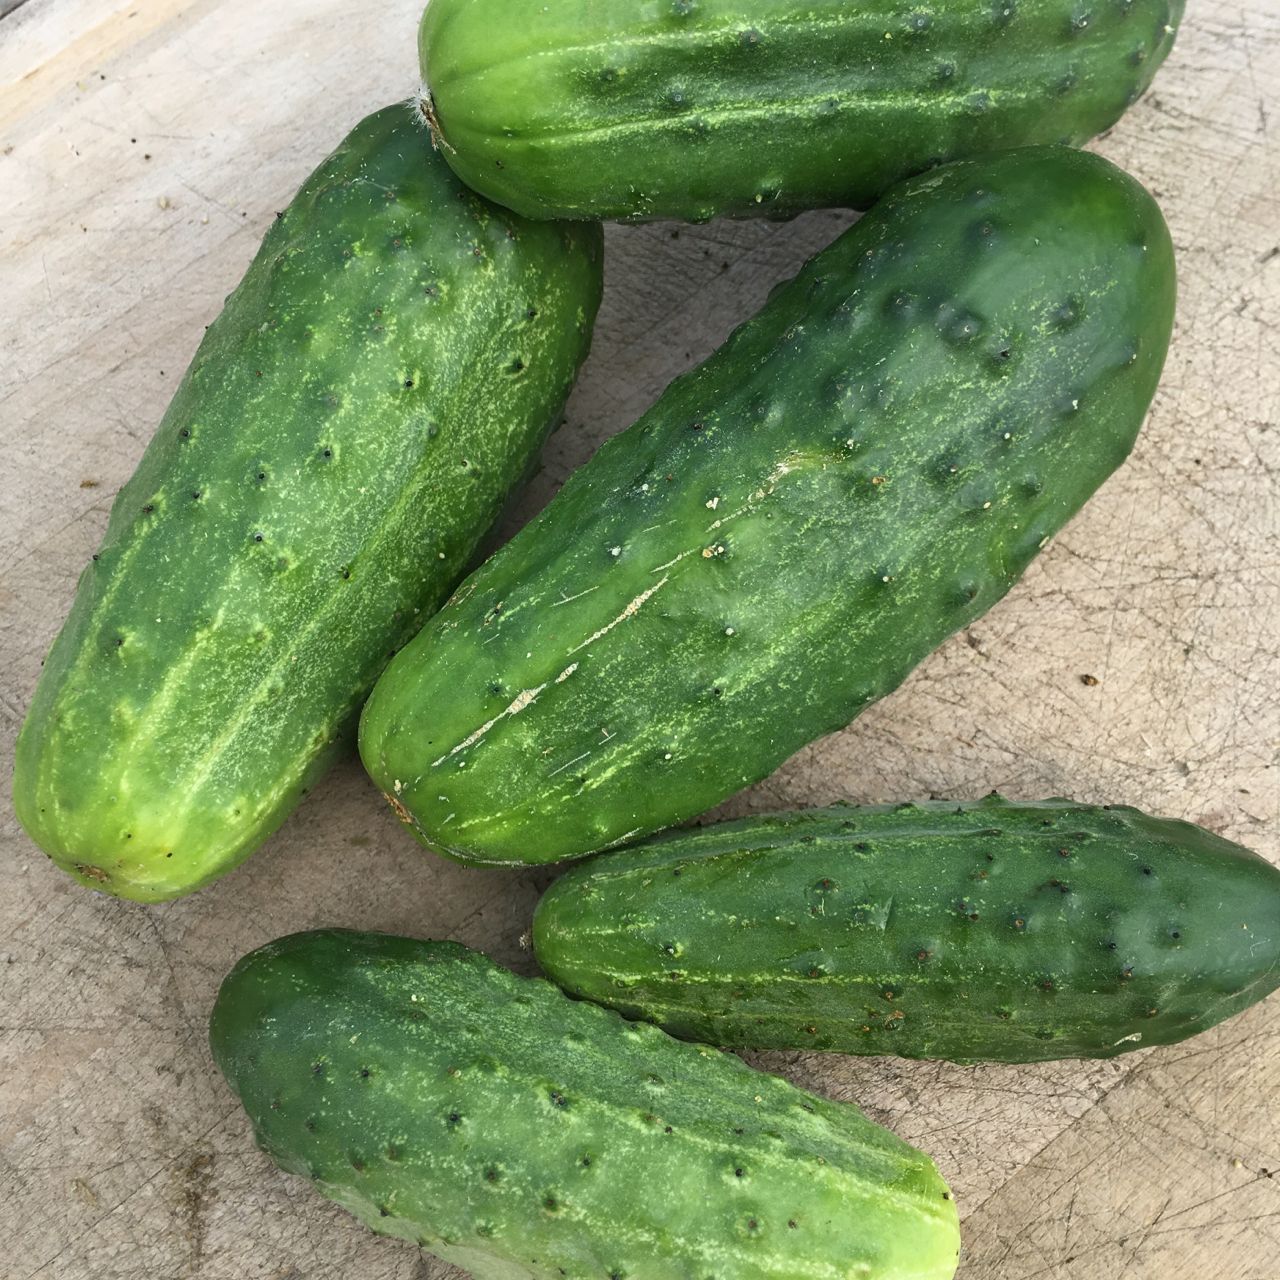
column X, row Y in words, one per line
column 526, row 1136
column 988, row 931
column 348, row 430
column 866, row 466
column 693, row 108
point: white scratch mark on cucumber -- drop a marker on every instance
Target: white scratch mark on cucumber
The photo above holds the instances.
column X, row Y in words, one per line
column 516, row 706
column 785, row 467
column 669, row 563
column 461, row 593
column 630, row 611
column 568, row 764
column 797, row 460
column 555, row 604
column 566, row 673
column 733, row 515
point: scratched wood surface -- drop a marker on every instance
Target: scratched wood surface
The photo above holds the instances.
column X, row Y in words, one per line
column 144, row 146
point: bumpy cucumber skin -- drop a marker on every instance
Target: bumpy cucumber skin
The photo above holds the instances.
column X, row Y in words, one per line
column 693, row 108
column 527, row 1136
column 347, row 432
column 973, row 932
column 866, row 466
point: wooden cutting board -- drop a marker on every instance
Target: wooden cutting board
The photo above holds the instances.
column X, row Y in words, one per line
column 144, row 148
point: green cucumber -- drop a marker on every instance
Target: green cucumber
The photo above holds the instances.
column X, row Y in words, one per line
column 348, row 430
column 526, row 1136
column 693, row 108
column 864, row 467
column 989, row 931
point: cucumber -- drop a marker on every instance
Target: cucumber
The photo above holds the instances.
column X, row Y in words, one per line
column 526, row 1136
column 866, row 466
column 988, row 931
column 347, row 432
column 693, row 108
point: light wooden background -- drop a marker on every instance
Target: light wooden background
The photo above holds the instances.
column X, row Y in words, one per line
column 144, row 147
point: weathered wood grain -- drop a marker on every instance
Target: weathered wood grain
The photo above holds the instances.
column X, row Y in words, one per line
column 144, row 148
